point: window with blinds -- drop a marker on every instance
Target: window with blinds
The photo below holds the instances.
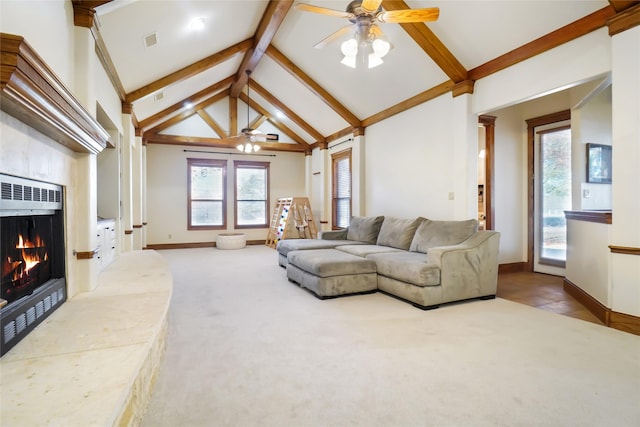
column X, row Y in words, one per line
column 252, row 194
column 341, row 189
column 206, row 194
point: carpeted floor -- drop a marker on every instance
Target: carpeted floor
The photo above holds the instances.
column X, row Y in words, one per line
column 248, row 348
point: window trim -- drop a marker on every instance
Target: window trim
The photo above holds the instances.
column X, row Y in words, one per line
column 210, row 163
column 248, row 164
column 335, row 158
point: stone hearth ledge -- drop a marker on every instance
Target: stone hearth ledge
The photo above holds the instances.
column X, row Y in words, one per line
column 94, row 361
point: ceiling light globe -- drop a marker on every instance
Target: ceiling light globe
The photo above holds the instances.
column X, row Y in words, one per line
column 349, row 61
column 374, row 60
column 381, row 47
column 349, row 48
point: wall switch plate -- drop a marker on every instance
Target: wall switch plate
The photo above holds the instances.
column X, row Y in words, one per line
column 451, row 195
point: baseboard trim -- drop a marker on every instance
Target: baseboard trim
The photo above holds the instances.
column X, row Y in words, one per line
column 513, row 267
column 621, row 321
column 590, row 303
column 625, row 322
column 161, row 246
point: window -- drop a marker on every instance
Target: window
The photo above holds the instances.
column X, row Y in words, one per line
column 341, row 191
column 252, row 194
column 206, row 194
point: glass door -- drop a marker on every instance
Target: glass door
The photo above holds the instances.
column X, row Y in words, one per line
column 552, row 197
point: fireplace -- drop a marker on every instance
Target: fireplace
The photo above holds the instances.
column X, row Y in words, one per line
column 32, row 256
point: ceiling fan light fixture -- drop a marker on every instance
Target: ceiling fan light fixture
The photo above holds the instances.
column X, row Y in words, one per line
column 349, row 61
column 374, row 60
column 349, row 48
column 380, row 47
column 248, row 147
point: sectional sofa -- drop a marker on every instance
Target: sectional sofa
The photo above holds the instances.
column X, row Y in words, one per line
column 421, row 261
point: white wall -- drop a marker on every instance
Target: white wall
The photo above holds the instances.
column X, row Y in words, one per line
column 590, row 123
column 408, row 163
column 167, row 191
column 45, row 26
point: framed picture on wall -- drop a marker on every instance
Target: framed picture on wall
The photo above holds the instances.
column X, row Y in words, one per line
column 598, row 163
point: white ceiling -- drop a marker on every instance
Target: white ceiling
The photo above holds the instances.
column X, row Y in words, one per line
column 474, row 31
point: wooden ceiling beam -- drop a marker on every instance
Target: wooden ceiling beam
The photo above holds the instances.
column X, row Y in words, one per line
column 258, row 121
column 418, row 99
column 188, row 113
column 278, row 124
column 195, row 141
column 199, row 97
column 427, row 40
column 579, row 28
column 289, row 113
column 212, row 123
column 621, row 5
column 83, row 16
column 314, row 87
column 189, row 71
column 233, row 115
column 267, row 29
column 84, row 11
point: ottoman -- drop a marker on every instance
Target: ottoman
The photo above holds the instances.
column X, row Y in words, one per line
column 329, row 273
column 230, row 241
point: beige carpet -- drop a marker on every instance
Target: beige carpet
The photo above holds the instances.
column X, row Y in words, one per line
column 248, row 348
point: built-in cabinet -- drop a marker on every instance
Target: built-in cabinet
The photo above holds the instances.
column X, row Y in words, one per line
column 106, row 250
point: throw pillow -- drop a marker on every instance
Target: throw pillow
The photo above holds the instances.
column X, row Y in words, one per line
column 442, row 233
column 364, row 229
column 398, row 233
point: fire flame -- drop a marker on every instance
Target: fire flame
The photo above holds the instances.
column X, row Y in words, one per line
column 28, row 259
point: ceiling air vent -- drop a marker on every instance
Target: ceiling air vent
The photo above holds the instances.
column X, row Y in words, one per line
column 151, row 40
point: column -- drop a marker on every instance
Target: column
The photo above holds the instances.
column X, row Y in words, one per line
column 625, row 227
column 136, row 192
column 464, row 194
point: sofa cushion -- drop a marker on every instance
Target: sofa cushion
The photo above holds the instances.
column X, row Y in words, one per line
column 285, row 246
column 442, row 233
column 364, row 229
column 398, row 233
column 364, row 250
column 409, row 267
column 330, row 263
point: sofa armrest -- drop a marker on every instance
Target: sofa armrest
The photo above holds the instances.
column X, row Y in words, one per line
column 333, row 235
column 470, row 268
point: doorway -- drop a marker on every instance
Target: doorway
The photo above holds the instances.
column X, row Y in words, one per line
column 486, row 138
column 549, row 171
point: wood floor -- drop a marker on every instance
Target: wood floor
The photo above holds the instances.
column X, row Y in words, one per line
column 542, row 291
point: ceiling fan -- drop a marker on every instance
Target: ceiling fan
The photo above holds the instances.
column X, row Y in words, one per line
column 248, row 136
column 365, row 15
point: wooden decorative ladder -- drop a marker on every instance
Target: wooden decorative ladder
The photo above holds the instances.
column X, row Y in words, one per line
column 292, row 219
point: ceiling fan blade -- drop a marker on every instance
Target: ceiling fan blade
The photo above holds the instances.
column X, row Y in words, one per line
column 370, row 6
column 409, row 15
column 342, row 31
column 323, row 10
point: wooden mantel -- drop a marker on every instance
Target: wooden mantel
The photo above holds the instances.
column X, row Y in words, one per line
column 31, row 92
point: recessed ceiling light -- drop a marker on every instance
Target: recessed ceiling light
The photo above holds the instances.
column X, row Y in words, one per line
column 188, row 105
column 197, row 24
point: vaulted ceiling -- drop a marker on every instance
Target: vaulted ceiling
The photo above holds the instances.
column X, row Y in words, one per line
column 185, row 86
